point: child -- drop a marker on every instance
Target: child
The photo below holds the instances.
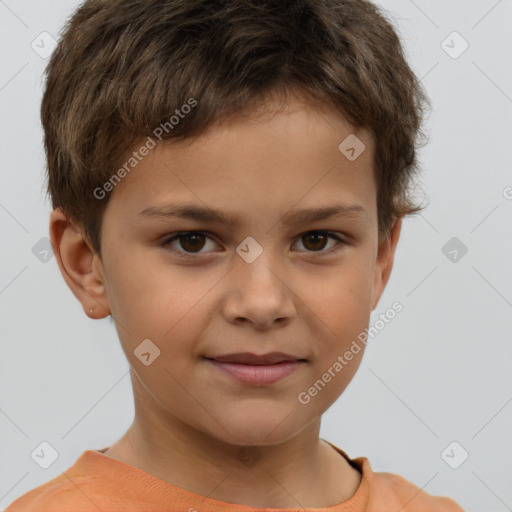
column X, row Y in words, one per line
column 280, row 135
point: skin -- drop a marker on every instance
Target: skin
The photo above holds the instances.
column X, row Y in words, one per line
column 255, row 446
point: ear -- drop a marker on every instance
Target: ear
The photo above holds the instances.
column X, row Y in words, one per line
column 79, row 265
column 384, row 263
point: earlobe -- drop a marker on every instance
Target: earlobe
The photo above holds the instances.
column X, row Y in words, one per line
column 384, row 263
column 79, row 265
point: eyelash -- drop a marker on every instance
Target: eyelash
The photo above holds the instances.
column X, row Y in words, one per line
column 168, row 241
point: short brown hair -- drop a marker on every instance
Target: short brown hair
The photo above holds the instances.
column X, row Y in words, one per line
column 123, row 67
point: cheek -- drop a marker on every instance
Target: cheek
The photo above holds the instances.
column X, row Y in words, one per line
column 148, row 291
column 340, row 347
column 343, row 304
column 342, row 301
column 167, row 305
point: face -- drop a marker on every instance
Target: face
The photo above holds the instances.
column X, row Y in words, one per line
column 258, row 276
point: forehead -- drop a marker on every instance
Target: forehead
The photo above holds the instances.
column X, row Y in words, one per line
column 265, row 162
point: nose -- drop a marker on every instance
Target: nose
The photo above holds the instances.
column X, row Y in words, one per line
column 259, row 293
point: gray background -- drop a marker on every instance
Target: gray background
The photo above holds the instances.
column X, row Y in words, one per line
column 439, row 372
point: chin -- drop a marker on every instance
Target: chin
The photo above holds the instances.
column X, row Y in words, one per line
column 259, row 429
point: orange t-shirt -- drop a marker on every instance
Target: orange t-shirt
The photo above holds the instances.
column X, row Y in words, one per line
column 99, row 483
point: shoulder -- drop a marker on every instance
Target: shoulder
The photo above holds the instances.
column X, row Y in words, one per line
column 389, row 492
column 76, row 493
column 95, row 482
column 57, row 495
column 392, row 488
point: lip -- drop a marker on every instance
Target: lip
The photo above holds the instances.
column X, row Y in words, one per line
column 258, row 374
column 255, row 359
column 257, row 370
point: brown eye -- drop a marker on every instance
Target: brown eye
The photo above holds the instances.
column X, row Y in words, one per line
column 188, row 243
column 316, row 241
column 192, row 242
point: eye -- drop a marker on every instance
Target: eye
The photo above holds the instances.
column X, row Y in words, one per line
column 191, row 243
column 317, row 240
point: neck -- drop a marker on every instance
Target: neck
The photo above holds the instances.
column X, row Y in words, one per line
column 270, row 476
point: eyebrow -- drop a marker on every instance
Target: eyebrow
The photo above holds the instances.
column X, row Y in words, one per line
column 200, row 213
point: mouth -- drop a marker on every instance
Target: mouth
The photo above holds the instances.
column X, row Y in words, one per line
column 257, row 370
column 255, row 359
